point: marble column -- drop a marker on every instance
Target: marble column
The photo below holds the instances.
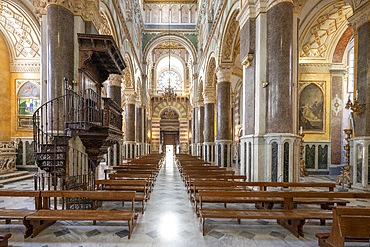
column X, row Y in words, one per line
column 209, row 133
column 193, row 133
column 114, row 88
column 139, row 130
column 200, row 128
column 129, row 145
column 360, row 145
column 223, row 101
column 60, row 49
column 279, row 74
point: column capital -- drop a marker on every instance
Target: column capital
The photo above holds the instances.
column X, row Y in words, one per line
column 359, row 18
column 87, row 9
column 209, row 97
column 114, row 80
column 130, row 97
column 223, row 73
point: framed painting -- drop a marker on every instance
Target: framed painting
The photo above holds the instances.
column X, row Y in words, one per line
column 28, row 100
column 311, row 108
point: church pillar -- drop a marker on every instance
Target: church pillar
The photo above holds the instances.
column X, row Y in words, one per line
column 114, row 92
column 129, row 141
column 269, row 144
column 209, row 116
column 223, row 99
column 360, row 144
column 139, row 129
column 200, row 128
column 60, row 49
column 193, row 132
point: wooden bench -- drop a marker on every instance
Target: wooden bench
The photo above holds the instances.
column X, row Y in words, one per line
column 63, row 211
column 139, row 186
column 288, row 199
column 350, row 224
column 132, row 176
column 19, row 214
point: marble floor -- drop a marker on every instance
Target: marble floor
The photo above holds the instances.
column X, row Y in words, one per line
column 169, row 220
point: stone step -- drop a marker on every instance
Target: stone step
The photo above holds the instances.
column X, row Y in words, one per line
column 15, row 176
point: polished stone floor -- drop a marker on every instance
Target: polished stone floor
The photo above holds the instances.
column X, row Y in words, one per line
column 169, row 220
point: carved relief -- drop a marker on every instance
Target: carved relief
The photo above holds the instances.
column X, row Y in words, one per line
column 128, row 80
column 210, row 77
column 105, row 27
column 323, row 28
column 8, row 152
column 229, row 39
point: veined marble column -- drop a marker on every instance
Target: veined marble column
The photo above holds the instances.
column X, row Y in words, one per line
column 193, row 132
column 139, row 130
column 200, row 129
column 360, row 145
column 114, row 92
column 223, row 138
column 279, row 69
column 209, row 133
column 129, row 142
column 60, row 49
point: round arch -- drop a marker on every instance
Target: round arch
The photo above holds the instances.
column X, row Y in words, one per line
column 175, row 38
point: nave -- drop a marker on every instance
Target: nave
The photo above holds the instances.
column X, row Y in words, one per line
column 169, row 220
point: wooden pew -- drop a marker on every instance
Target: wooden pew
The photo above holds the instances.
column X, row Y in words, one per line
column 133, row 176
column 289, row 199
column 350, row 224
column 48, row 215
column 139, row 186
column 20, row 214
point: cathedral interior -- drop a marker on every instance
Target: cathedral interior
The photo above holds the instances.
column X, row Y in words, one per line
column 276, row 90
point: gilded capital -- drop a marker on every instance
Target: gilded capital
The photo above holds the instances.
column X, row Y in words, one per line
column 223, row 74
column 114, row 80
column 209, row 97
column 130, row 97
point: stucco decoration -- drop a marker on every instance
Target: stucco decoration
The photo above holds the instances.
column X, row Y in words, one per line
column 230, row 39
column 210, row 77
column 322, row 30
column 336, row 104
column 20, row 31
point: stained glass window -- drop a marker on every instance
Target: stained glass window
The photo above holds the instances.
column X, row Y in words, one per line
column 166, row 76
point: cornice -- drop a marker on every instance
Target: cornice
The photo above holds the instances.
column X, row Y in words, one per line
column 315, row 68
column 25, row 67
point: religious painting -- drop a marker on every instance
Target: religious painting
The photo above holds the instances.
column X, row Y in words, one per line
column 28, row 101
column 311, row 108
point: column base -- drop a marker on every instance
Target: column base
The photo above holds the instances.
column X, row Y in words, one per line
column 209, row 151
column 129, row 150
column 270, row 157
column 223, row 153
column 359, row 162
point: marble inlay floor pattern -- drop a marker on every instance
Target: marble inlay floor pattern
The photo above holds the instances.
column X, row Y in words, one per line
column 169, row 220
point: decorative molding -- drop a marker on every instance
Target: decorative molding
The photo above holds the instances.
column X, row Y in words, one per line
column 336, row 105
column 229, row 41
column 210, row 76
column 20, row 31
column 130, row 97
column 25, row 67
column 314, row 68
column 322, row 30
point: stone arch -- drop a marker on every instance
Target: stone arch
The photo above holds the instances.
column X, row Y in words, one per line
column 174, row 38
column 159, row 108
column 230, row 39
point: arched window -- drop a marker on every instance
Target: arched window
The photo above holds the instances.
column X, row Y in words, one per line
column 351, row 70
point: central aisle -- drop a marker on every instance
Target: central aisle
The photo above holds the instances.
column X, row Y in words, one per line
column 169, row 218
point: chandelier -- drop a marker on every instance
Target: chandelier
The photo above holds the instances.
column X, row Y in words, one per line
column 169, row 92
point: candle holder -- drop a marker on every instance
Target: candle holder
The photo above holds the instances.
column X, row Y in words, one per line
column 345, row 176
column 355, row 106
column 302, row 162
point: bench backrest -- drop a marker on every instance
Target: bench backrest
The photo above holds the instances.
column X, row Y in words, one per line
column 353, row 222
column 62, row 199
